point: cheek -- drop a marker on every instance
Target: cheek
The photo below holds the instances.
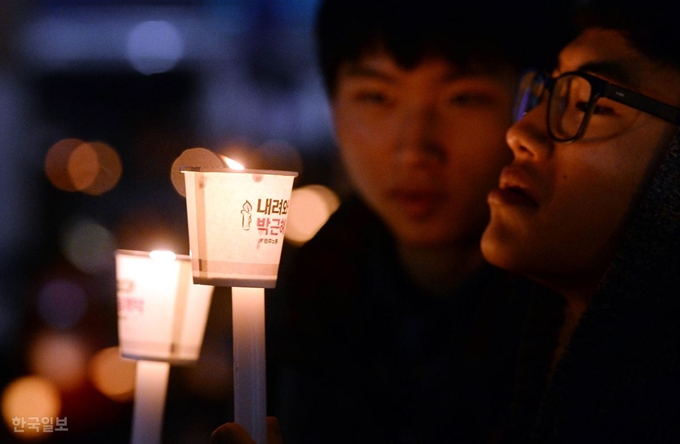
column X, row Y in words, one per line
column 478, row 150
column 362, row 147
column 590, row 203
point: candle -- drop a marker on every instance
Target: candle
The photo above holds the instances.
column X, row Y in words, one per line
column 161, row 320
column 150, row 390
column 250, row 397
column 236, row 221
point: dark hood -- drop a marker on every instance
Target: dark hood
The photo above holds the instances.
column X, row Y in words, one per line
column 619, row 378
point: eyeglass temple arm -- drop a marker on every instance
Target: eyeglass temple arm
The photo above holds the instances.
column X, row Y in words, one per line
column 638, row 101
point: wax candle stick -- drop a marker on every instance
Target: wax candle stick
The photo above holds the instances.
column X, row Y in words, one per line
column 250, row 399
column 161, row 321
column 150, row 391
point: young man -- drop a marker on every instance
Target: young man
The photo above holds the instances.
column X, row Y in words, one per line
column 397, row 325
column 590, row 207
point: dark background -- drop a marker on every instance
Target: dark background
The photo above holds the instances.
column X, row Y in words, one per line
column 246, row 83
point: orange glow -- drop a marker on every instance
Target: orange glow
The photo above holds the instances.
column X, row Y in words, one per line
column 74, row 165
column 109, row 169
column 28, row 398
column 192, row 157
column 60, row 358
column 310, row 208
column 113, row 375
column 56, row 163
column 83, row 166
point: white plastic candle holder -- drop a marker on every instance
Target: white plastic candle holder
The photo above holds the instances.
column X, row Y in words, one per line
column 237, row 220
column 161, row 313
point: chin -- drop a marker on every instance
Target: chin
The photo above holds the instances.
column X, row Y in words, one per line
column 497, row 250
column 420, row 236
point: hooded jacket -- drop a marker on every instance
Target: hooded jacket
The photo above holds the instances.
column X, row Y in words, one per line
column 618, row 380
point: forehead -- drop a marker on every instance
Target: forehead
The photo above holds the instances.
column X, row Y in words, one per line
column 381, row 65
column 609, row 54
column 604, row 50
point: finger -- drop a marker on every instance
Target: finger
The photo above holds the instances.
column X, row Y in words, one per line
column 231, row 433
column 273, row 431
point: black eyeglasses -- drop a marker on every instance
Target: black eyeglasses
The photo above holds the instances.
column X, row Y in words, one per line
column 573, row 105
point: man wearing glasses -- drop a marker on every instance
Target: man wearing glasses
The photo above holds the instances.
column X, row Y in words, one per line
column 590, row 207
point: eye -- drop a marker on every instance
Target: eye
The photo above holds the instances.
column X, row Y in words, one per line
column 372, row 97
column 603, row 110
column 598, row 110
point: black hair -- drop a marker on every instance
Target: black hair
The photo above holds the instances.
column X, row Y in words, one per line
column 651, row 26
column 487, row 32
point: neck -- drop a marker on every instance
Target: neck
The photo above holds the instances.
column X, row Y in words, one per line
column 577, row 292
column 578, row 302
column 440, row 270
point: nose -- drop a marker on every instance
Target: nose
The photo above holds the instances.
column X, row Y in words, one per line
column 528, row 138
column 418, row 142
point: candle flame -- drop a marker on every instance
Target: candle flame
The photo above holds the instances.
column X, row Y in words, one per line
column 231, row 163
column 162, row 255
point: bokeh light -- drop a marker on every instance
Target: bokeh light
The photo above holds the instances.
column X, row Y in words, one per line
column 83, row 166
column 105, row 169
column 62, row 303
column 90, row 167
column 88, row 245
column 56, row 163
column 192, row 157
column 112, row 375
column 30, row 397
column 61, row 358
column 154, row 46
column 310, row 208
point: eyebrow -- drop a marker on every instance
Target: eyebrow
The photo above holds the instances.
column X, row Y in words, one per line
column 613, row 71
column 359, row 70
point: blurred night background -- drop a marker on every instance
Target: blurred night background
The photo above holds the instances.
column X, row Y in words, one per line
column 97, row 100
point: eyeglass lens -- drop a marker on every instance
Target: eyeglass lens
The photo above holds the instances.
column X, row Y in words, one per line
column 568, row 106
column 572, row 112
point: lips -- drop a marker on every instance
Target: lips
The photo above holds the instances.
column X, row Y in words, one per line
column 515, row 188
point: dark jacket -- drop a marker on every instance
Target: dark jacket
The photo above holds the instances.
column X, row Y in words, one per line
column 618, row 380
column 371, row 358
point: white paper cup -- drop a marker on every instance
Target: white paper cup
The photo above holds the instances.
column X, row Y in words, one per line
column 161, row 313
column 237, row 220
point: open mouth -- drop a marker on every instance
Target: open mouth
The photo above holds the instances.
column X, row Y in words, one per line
column 512, row 195
column 521, row 193
column 514, row 188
